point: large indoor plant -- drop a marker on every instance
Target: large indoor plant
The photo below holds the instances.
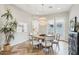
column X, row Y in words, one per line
column 8, row 29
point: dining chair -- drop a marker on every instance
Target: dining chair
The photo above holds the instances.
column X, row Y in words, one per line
column 30, row 37
column 35, row 42
column 56, row 41
column 47, row 45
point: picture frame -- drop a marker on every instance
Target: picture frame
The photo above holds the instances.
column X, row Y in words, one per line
column 73, row 23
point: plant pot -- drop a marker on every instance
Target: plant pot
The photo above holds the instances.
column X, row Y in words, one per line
column 7, row 48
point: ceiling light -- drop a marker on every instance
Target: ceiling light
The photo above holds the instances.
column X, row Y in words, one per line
column 42, row 4
column 58, row 8
column 42, row 21
column 50, row 7
column 42, row 18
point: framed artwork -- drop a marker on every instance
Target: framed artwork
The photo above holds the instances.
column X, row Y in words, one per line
column 73, row 22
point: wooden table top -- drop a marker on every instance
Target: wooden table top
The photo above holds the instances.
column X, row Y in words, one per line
column 41, row 37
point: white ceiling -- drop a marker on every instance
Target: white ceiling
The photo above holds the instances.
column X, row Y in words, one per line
column 44, row 9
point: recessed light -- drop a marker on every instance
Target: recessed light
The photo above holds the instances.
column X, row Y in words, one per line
column 50, row 6
column 58, row 8
column 42, row 4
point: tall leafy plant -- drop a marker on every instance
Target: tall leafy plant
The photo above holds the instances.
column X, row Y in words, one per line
column 9, row 27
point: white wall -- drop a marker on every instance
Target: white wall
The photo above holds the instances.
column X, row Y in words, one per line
column 20, row 16
column 74, row 11
column 58, row 16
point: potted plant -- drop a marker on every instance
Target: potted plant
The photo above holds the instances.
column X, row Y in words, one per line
column 9, row 28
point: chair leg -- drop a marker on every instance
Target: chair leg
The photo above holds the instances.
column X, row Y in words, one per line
column 51, row 50
column 32, row 49
column 57, row 45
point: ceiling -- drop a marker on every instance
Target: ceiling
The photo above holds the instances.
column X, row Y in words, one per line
column 44, row 9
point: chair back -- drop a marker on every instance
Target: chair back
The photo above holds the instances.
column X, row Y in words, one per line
column 35, row 41
column 57, row 36
column 48, row 40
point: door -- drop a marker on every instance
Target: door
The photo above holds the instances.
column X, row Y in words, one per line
column 60, row 28
column 56, row 26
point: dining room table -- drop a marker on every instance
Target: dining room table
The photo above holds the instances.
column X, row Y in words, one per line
column 42, row 38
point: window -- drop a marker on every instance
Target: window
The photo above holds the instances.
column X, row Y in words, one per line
column 35, row 25
column 22, row 27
